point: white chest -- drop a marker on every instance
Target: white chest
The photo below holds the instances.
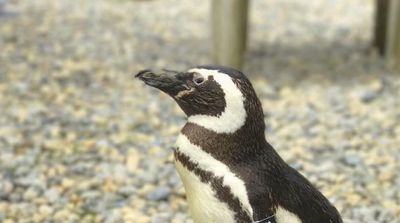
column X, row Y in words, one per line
column 206, row 208
column 201, row 196
column 203, row 204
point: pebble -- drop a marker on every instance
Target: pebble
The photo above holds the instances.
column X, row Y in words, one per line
column 160, row 193
column 132, row 160
column 352, row 160
column 161, row 218
column 46, row 210
column 30, row 194
column 368, row 96
column 91, row 194
column 127, row 190
column 52, row 195
column 6, row 188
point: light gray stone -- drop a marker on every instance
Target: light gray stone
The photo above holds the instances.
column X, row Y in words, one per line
column 160, row 193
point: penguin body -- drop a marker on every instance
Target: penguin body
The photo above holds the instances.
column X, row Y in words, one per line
column 229, row 171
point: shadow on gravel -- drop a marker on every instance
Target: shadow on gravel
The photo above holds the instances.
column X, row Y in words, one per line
column 333, row 61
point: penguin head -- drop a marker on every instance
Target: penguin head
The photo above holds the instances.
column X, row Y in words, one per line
column 215, row 97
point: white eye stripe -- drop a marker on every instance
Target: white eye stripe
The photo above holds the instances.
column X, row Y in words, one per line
column 234, row 115
column 200, row 72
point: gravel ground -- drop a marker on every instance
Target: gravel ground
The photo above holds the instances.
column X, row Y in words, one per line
column 81, row 141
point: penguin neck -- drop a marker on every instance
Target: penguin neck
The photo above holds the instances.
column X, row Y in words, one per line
column 245, row 141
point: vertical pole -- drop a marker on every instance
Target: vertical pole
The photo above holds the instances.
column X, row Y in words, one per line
column 381, row 21
column 393, row 39
column 229, row 31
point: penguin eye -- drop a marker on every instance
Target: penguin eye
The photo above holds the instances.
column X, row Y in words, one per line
column 198, row 80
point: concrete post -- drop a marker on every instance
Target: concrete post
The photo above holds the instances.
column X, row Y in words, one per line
column 229, row 31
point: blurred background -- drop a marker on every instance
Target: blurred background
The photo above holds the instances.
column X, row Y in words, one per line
column 82, row 141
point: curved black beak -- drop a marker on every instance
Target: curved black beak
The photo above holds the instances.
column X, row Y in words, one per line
column 169, row 81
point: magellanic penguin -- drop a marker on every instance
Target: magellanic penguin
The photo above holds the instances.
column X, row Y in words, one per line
column 229, row 171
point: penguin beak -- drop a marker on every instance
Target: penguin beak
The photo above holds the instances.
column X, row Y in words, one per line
column 167, row 81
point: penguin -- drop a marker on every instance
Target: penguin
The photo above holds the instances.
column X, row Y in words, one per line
column 229, row 171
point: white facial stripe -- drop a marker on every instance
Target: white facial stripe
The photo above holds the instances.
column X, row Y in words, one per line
column 234, row 115
column 206, row 162
column 282, row 215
